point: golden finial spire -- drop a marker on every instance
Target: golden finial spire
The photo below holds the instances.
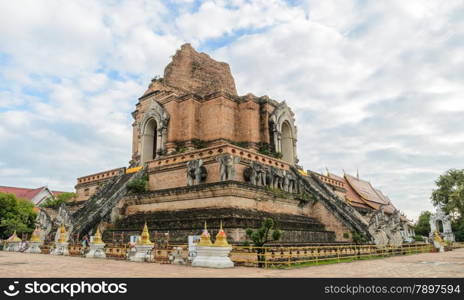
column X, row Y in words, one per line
column 221, row 238
column 205, row 239
column 14, row 237
column 145, row 236
column 35, row 238
column 97, row 239
column 62, row 231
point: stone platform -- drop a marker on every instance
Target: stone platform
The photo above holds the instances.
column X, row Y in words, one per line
column 183, row 211
column 182, row 223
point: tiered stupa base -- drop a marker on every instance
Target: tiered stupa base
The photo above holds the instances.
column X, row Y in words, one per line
column 142, row 253
column 96, row 251
column 34, row 247
column 295, row 229
column 13, row 246
column 213, row 257
column 60, row 249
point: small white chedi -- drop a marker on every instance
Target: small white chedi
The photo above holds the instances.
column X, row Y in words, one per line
column 13, row 243
column 143, row 247
column 61, row 246
column 96, row 247
column 35, row 242
column 211, row 255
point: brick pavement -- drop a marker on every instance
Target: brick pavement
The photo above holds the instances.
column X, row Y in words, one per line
column 17, row 265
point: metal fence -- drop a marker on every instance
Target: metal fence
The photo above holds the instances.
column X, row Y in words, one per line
column 457, row 245
column 276, row 256
column 314, row 255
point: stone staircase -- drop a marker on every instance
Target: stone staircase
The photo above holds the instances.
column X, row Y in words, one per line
column 341, row 210
column 100, row 205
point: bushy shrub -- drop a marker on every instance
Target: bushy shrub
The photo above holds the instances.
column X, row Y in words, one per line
column 418, row 238
column 138, row 185
column 55, row 202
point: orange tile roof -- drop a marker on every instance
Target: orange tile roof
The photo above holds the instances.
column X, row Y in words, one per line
column 353, row 198
column 366, row 190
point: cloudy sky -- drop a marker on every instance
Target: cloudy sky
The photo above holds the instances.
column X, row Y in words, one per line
column 376, row 85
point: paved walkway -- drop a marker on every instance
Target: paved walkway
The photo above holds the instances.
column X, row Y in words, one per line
column 17, row 265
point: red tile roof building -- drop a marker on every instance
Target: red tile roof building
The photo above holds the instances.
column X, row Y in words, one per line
column 36, row 195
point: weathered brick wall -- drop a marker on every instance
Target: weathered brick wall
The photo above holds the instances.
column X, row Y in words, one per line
column 176, row 176
column 199, row 73
column 217, row 119
column 324, row 216
column 84, row 192
column 248, row 123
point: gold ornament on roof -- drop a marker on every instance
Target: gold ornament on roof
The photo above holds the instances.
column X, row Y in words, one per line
column 14, row 238
column 205, row 238
column 145, row 236
column 221, row 238
column 35, row 238
column 62, row 231
column 97, row 239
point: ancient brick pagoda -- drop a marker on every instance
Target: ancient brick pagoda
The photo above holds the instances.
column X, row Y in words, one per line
column 210, row 155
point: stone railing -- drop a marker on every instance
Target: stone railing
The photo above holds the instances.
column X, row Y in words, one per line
column 331, row 181
column 244, row 154
column 100, row 176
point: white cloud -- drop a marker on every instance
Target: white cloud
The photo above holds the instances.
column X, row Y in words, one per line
column 216, row 18
column 370, row 86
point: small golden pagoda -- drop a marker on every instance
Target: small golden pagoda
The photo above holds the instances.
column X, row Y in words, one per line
column 221, row 238
column 97, row 239
column 144, row 237
column 62, row 232
column 205, row 239
column 14, row 238
column 438, row 238
column 35, row 238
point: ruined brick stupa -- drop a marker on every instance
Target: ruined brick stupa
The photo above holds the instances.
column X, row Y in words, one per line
column 210, row 155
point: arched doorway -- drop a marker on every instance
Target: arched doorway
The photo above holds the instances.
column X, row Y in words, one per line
column 287, row 143
column 149, row 141
column 440, row 226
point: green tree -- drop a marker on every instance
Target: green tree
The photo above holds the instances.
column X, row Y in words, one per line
column 450, row 191
column 422, row 226
column 54, row 202
column 15, row 214
column 458, row 229
column 265, row 234
column 358, row 238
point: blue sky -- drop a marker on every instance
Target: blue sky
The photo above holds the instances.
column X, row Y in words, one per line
column 376, row 85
